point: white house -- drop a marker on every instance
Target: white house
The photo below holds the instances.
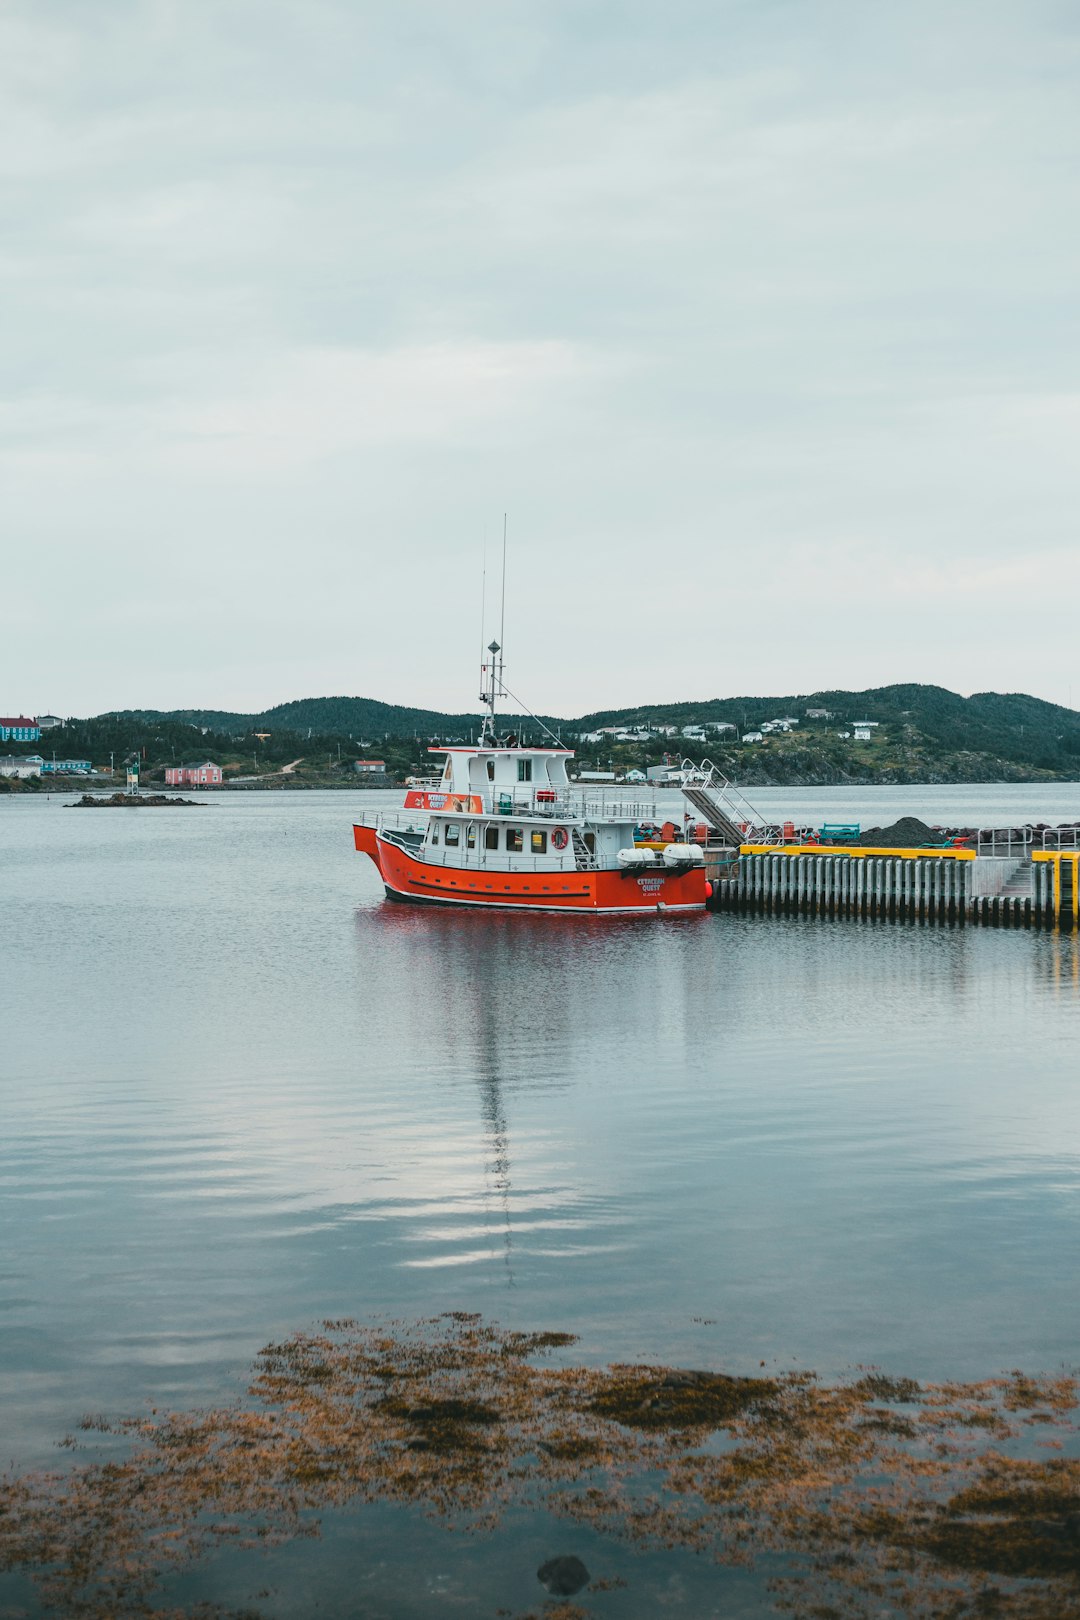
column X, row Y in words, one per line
column 753, row 736
column 22, row 765
column 863, row 734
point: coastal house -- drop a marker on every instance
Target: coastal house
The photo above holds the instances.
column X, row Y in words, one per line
column 753, row 736
column 819, row 714
column 196, row 773
column 863, row 733
column 49, row 722
column 370, row 767
column 19, row 728
column 21, row 765
column 77, row 767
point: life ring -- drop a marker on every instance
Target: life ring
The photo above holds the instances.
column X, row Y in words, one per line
column 559, row 838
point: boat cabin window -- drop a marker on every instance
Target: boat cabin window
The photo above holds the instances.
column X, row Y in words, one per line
column 515, row 839
column 448, row 771
column 590, row 843
column 491, row 837
column 524, row 770
column 539, row 843
column 434, row 839
column 491, row 770
column 453, row 835
column 470, row 836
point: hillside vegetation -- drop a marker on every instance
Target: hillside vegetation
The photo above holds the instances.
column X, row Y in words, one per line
column 924, row 734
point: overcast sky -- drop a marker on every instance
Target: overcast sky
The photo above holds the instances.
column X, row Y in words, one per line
column 759, row 319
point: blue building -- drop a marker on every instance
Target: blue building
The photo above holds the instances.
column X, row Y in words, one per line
column 19, row 729
column 81, row 767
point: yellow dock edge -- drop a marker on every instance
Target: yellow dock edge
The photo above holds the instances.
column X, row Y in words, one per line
column 934, row 853
column 1056, row 856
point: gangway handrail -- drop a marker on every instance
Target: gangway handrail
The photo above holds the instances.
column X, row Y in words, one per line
column 729, row 801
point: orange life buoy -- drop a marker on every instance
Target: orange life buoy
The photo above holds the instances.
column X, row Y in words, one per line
column 559, row 839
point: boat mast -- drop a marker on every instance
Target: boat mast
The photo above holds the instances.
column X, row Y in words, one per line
column 491, row 674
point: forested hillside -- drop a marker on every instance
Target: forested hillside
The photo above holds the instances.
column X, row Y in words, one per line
column 923, row 734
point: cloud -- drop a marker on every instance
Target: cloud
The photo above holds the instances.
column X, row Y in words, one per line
column 760, row 290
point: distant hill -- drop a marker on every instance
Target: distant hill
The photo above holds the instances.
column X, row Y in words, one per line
column 1007, row 725
column 327, row 717
column 323, row 717
column 924, row 733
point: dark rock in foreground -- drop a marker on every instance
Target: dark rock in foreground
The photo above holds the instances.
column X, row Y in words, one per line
column 563, row 1576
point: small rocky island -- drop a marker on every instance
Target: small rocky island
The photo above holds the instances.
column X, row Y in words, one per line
column 124, row 801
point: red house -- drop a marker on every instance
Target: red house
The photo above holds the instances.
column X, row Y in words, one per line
column 197, row 773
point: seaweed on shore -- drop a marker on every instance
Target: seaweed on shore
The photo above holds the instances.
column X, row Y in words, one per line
column 874, row 1492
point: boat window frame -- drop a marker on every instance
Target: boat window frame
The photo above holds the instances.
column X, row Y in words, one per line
column 538, row 841
column 513, row 833
column 470, row 835
column 451, row 835
column 491, row 837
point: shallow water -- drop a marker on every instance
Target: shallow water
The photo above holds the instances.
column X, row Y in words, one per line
column 240, row 1091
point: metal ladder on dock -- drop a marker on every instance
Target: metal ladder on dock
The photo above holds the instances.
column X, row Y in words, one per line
column 723, row 807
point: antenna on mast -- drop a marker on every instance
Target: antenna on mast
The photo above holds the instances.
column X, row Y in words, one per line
column 502, row 615
column 492, row 675
column 483, row 596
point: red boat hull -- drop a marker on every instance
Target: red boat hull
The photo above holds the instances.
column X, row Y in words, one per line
column 407, row 878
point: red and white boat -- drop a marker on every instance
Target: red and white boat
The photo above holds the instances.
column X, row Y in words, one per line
column 504, row 827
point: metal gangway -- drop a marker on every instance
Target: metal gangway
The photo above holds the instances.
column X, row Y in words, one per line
column 724, row 807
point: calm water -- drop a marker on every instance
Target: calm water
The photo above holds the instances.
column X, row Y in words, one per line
column 240, row 1092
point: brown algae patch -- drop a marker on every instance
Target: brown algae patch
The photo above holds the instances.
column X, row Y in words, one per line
column 874, row 1493
column 676, row 1399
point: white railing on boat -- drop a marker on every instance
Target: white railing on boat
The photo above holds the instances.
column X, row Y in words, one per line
column 495, row 860
column 548, row 803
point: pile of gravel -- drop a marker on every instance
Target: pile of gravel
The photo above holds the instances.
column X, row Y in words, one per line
column 907, row 833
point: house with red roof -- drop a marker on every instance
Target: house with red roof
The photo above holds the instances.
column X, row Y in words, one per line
column 196, row 773
column 19, row 728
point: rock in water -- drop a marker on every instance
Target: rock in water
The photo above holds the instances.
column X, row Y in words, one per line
column 563, row 1576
